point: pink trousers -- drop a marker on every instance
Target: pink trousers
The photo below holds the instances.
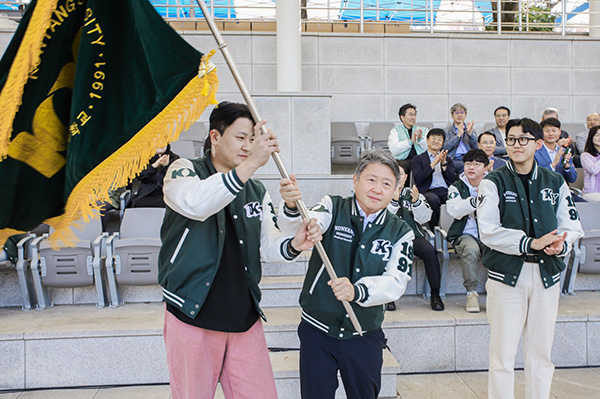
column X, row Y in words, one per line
column 199, row 358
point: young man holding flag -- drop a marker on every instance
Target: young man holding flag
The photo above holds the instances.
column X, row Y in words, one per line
column 218, row 226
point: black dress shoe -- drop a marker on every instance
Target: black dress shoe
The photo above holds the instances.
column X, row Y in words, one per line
column 390, row 306
column 436, row 303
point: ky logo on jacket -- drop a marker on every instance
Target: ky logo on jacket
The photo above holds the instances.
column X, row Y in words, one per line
column 382, row 248
column 253, row 209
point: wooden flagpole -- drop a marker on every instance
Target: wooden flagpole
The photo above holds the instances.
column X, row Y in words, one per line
column 299, row 204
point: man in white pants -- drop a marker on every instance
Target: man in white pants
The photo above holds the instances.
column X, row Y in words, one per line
column 528, row 222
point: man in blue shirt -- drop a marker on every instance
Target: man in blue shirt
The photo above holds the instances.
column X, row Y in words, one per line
column 460, row 137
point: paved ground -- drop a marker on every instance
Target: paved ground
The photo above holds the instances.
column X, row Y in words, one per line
column 580, row 383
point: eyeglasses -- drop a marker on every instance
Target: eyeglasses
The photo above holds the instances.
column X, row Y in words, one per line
column 523, row 141
column 474, row 164
column 459, row 112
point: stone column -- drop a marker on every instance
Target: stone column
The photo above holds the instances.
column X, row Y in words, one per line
column 594, row 18
column 289, row 46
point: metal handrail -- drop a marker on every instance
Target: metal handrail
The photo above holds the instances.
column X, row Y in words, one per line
column 431, row 19
column 443, row 18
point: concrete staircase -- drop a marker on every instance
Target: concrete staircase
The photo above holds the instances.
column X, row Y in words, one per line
column 74, row 344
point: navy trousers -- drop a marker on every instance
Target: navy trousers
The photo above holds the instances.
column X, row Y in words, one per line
column 359, row 361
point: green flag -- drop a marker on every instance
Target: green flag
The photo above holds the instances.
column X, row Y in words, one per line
column 90, row 89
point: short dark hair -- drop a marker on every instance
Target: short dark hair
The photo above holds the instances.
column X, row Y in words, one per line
column 436, row 132
column 528, row 126
column 377, row 156
column 404, row 108
column 477, row 155
column 550, row 122
column 502, row 107
column 487, row 132
column 226, row 113
column 589, row 143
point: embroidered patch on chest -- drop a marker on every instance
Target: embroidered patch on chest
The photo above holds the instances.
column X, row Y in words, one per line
column 254, row 209
column 382, row 248
column 343, row 233
column 549, row 195
column 510, row 196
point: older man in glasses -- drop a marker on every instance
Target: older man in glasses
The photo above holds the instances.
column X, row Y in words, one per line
column 527, row 221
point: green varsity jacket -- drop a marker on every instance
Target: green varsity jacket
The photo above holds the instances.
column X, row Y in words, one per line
column 504, row 219
column 193, row 231
column 377, row 261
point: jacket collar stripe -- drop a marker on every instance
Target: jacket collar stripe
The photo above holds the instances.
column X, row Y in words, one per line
column 534, row 173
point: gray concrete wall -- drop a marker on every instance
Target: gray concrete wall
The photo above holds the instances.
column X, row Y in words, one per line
column 370, row 75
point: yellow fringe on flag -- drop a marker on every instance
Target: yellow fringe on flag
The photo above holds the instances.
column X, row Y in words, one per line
column 128, row 161
column 25, row 62
column 133, row 157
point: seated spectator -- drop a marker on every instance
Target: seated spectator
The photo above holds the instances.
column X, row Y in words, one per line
column 109, row 215
column 590, row 161
column 502, row 115
column 553, row 154
column 412, row 207
column 464, row 233
column 150, row 190
column 433, row 172
column 487, row 142
column 407, row 140
column 592, row 120
column 460, row 137
column 553, row 113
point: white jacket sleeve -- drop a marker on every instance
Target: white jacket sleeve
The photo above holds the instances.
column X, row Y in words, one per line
column 491, row 232
column 196, row 198
column 567, row 219
column 391, row 285
column 273, row 243
column 289, row 219
column 458, row 207
column 421, row 210
column 395, row 145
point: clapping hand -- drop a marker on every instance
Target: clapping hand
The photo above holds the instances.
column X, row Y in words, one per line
column 162, row 161
column 470, row 127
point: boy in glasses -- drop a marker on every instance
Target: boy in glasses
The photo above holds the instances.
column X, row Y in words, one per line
column 463, row 233
column 527, row 221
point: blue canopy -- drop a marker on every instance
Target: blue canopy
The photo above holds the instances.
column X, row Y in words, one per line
column 400, row 10
column 573, row 13
column 9, row 7
column 223, row 8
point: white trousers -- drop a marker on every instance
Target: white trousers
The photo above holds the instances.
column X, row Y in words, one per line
column 531, row 309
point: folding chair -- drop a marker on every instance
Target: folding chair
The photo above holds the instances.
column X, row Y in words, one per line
column 132, row 254
column 378, row 133
column 346, row 145
column 76, row 264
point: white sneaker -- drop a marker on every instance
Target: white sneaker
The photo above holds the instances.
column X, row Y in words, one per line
column 472, row 302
